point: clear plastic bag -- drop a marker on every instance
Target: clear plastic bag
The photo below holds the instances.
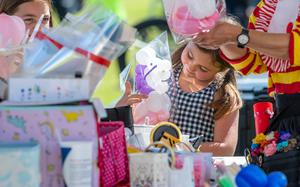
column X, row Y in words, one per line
column 81, row 46
column 153, row 77
column 186, row 18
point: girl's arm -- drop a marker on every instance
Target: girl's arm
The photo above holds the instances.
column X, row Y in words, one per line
column 225, row 136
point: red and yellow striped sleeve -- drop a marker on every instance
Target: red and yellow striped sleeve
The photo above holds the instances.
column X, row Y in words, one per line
column 250, row 63
column 294, row 46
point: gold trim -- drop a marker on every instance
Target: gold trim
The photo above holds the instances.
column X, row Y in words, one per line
column 165, row 123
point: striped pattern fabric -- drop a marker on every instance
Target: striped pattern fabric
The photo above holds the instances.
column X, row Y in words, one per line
column 284, row 75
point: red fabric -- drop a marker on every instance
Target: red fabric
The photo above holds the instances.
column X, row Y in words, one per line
column 287, row 88
column 291, row 49
column 235, row 61
column 246, row 69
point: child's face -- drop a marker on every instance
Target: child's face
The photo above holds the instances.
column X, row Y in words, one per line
column 198, row 64
column 30, row 12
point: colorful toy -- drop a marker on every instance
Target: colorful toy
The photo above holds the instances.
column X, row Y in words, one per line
column 253, row 176
column 152, row 73
column 189, row 17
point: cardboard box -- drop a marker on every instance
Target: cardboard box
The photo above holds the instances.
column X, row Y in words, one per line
column 48, row 90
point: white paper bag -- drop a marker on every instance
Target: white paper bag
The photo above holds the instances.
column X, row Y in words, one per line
column 149, row 170
column 184, row 176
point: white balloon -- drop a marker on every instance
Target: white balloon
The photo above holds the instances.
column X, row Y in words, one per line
column 154, row 101
column 162, row 88
column 165, row 64
column 151, row 79
column 201, row 9
column 163, row 75
column 165, row 99
column 144, row 55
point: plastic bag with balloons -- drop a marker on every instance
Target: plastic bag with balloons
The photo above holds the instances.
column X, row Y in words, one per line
column 153, row 77
column 186, row 18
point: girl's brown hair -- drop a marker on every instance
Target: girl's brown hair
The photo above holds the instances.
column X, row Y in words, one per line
column 228, row 98
column 10, row 7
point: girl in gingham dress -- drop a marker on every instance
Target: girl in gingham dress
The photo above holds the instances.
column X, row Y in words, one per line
column 205, row 100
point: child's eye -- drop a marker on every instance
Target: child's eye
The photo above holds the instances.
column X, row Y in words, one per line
column 203, row 69
column 46, row 20
column 190, row 55
column 29, row 21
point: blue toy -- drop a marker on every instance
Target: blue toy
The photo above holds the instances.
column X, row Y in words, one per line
column 253, row 176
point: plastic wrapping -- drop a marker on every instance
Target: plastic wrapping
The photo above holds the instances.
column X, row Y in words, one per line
column 153, row 76
column 186, row 18
column 81, row 46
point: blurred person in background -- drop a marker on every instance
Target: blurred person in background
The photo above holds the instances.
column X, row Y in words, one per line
column 30, row 12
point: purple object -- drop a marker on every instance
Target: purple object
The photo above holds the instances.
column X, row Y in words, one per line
column 141, row 83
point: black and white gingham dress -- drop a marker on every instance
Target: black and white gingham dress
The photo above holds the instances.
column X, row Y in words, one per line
column 190, row 111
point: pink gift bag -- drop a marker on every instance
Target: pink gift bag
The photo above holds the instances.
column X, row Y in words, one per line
column 113, row 158
column 48, row 125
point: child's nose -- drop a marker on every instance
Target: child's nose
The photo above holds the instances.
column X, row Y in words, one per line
column 192, row 67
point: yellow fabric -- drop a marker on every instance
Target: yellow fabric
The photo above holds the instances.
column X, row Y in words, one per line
column 296, row 37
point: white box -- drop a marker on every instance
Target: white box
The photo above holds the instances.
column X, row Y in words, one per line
column 48, row 89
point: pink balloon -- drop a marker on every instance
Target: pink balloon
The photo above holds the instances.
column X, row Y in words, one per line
column 12, row 30
column 182, row 22
column 153, row 118
column 163, row 115
column 140, row 115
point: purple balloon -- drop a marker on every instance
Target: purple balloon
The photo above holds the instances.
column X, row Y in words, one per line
column 141, row 83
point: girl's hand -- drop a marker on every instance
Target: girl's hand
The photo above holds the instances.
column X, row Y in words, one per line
column 128, row 98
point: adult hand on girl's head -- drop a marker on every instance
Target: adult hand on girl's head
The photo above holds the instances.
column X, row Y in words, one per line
column 222, row 34
column 128, row 98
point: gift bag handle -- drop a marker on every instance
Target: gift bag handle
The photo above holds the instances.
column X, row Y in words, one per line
column 163, row 145
column 191, row 149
